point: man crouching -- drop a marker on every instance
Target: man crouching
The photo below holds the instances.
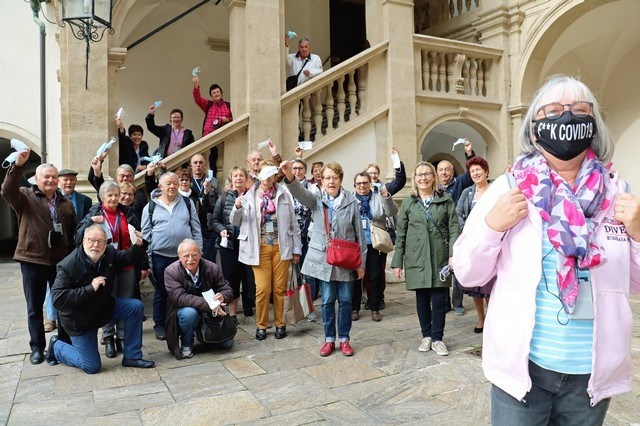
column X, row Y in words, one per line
column 83, row 293
column 186, row 280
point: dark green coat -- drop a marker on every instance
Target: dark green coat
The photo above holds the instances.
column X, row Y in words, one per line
column 420, row 249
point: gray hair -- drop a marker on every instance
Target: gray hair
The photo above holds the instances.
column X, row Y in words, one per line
column 108, row 186
column 187, row 241
column 602, row 143
column 43, row 166
column 125, row 167
column 94, row 226
column 302, row 40
column 165, row 176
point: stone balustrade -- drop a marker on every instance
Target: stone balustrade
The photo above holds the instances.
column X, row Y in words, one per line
column 329, row 101
column 459, row 7
column 457, row 68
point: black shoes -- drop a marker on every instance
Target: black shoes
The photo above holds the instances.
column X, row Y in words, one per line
column 248, row 312
column 137, row 363
column 37, row 357
column 109, row 347
column 119, row 347
column 50, row 356
column 261, row 334
column 281, row 332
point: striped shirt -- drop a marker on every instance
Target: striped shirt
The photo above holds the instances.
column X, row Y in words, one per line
column 558, row 343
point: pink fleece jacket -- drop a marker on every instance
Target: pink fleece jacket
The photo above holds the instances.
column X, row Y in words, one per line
column 516, row 257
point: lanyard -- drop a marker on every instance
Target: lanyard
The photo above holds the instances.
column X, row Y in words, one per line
column 52, row 208
column 199, row 186
column 116, row 223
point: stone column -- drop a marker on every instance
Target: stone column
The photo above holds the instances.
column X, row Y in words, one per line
column 85, row 112
column 401, row 129
column 116, row 57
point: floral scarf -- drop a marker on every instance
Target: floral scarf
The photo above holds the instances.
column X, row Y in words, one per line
column 565, row 209
column 267, row 207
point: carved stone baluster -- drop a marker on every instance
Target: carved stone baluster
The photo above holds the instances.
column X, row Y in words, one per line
column 341, row 99
column 434, row 71
column 442, row 72
column 477, row 2
column 459, row 6
column 424, row 54
column 481, row 88
column 328, row 111
column 455, row 73
column 317, row 111
column 465, row 77
column 452, row 9
column 468, row 4
column 306, row 118
column 362, row 89
column 353, row 99
column 473, row 68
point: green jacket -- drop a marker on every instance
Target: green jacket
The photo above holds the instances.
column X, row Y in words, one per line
column 420, row 247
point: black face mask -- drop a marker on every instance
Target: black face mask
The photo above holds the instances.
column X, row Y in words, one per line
column 567, row 136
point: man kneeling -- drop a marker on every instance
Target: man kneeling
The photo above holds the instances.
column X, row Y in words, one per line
column 83, row 294
column 185, row 281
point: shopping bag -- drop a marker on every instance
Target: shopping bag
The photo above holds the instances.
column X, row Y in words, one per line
column 293, row 311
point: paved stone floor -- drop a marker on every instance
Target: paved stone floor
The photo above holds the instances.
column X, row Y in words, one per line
column 283, row 382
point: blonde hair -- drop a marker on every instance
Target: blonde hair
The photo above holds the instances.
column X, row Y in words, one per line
column 414, row 185
column 335, row 167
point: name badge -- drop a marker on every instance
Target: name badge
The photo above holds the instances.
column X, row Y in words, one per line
column 269, row 227
column 57, row 227
column 584, row 303
column 364, row 223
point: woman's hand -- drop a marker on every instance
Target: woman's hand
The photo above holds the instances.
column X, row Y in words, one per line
column 296, row 259
column 139, row 237
column 285, row 167
column 510, row 209
column 238, row 203
column 397, row 272
column 224, row 233
column 360, row 273
column 97, row 219
column 627, row 210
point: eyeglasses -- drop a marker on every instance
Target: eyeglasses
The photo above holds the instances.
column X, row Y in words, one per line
column 126, row 194
column 331, row 178
column 297, row 168
column 98, row 242
column 554, row 110
column 423, row 175
column 176, row 117
column 362, row 183
column 127, row 177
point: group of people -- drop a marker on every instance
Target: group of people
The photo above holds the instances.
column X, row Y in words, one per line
column 555, row 242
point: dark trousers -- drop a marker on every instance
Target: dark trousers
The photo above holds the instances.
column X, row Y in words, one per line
column 34, row 284
column 431, row 305
column 248, row 289
column 374, row 277
column 160, row 263
column 209, row 250
column 235, row 272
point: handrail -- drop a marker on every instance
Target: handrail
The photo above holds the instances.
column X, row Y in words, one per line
column 204, row 143
column 332, row 74
column 478, row 50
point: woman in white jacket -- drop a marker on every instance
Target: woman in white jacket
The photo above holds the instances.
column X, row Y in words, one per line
column 565, row 245
column 269, row 241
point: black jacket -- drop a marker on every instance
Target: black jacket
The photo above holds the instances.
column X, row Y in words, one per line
column 164, row 133
column 220, row 219
column 127, row 153
column 80, row 308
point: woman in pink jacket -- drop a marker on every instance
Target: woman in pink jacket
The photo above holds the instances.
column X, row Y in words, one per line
column 563, row 238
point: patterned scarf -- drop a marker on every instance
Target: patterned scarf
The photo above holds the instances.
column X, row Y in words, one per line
column 566, row 209
column 365, row 208
column 267, row 208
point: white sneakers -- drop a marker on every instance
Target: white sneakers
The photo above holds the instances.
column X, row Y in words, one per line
column 425, row 345
column 186, row 352
column 438, row 346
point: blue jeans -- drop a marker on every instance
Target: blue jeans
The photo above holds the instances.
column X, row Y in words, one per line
column 83, row 352
column 343, row 291
column 51, row 311
column 554, row 399
column 188, row 321
column 160, row 263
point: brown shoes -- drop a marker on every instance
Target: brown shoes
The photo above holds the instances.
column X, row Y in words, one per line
column 355, row 315
column 375, row 315
column 49, row 326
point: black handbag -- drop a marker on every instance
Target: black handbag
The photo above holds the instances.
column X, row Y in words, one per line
column 292, row 81
column 216, row 329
